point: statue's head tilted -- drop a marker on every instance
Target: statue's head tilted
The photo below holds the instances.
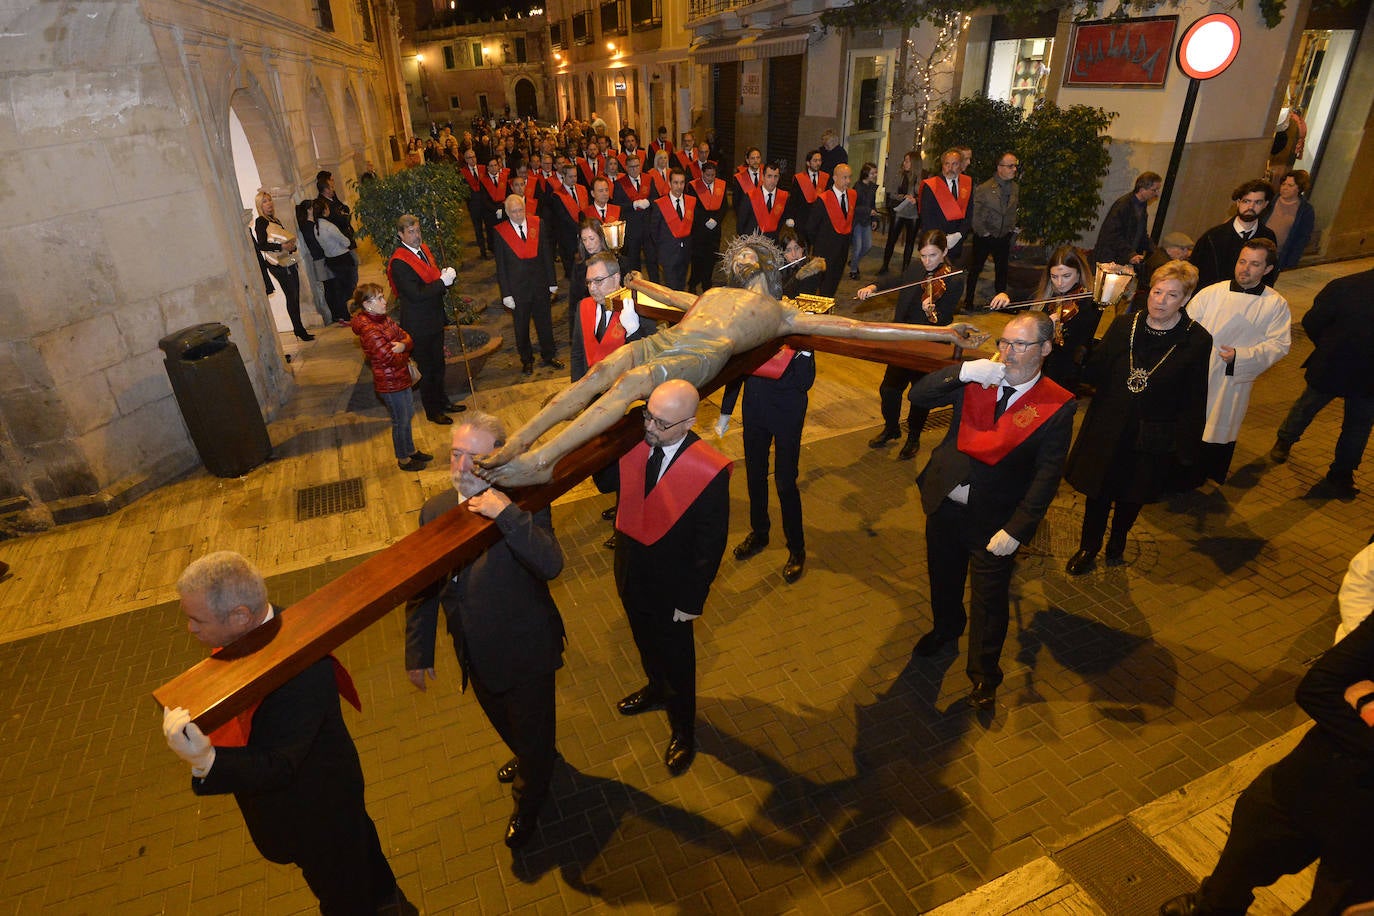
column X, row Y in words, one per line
column 754, row 262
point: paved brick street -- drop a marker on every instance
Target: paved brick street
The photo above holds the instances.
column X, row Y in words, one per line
column 833, row 775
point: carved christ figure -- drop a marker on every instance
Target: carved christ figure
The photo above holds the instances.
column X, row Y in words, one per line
column 718, row 324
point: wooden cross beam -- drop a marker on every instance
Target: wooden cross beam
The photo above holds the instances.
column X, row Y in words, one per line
column 219, row 688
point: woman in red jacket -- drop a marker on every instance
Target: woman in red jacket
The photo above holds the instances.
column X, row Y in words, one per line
column 388, row 348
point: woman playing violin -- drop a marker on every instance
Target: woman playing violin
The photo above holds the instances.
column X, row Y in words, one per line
column 1075, row 320
column 929, row 303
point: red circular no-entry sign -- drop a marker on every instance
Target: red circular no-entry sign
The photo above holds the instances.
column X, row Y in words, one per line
column 1208, row 46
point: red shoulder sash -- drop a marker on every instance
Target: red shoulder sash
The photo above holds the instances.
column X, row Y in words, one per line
column 614, row 338
column 527, row 248
column 745, row 182
column 777, row 364
column 681, row 228
column 647, row 519
column 495, row 190
column 474, row 181
column 427, row 273
column 768, row 220
column 644, row 185
column 709, row 200
column 953, row 209
column 843, row 223
column 612, row 212
column 809, row 191
column 573, row 204
column 988, row 441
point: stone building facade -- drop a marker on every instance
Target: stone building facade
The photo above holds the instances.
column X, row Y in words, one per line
column 122, row 220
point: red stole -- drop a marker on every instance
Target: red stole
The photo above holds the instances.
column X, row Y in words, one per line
column 474, row 181
column 647, row 519
column 612, row 212
column 427, row 273
column 711, row 202
column 638, row 154
column 689, row 163
column 236, row 732
column 768, row 220
column 495, row 190
column 776, row 365
column 645, row 186
column 843, row 223
column 588, row 172
column 802, row 181
column 681, row 228
column 574, row 202
column 954, row 210
column 666, row 146
column 745, row 182
column 527, row 248
column 612, row 340
column 531, row 204
column 988, row 441
column 659, row 180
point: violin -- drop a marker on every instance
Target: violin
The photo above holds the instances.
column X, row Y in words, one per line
column 937, row 289
column 1063, row 310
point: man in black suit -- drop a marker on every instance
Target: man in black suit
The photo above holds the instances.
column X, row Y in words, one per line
column 524, row 272
column 673, row 521
column 987, row 487
column 670, row 230
column 1340, row 325
column 566, row 201
column 1215, row 253
column 706, row 228
column 831, row 227
column 1314, row 803
column 420, row 285
column 635, row 195
column 506, row 629
column 289, row 761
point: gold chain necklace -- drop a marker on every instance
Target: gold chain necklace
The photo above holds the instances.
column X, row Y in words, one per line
column 1139, row 379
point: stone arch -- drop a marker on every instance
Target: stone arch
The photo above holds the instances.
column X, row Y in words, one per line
column 323, row 136
column 271, row 152
column 355, row 127
column 526, row 100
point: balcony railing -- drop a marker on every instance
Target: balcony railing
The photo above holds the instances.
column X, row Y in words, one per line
column 702, row 9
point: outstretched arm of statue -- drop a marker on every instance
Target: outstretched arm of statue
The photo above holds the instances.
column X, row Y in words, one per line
column 673, row 297
column 518, row 464
column 959, row 333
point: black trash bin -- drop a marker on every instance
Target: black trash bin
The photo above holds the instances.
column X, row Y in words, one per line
column 216, row 399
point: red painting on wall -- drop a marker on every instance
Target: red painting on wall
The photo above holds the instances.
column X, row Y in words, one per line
column 1130, row 52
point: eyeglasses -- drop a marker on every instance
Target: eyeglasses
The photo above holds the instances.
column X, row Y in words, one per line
column 1008, row 165
column 591, row 280
column 659, row 424
column 1017, row 346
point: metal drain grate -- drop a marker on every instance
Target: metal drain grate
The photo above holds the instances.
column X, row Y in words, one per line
column 1123, row 871
column 330, row 499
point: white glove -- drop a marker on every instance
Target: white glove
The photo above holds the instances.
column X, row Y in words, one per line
column 953, row 238
column 187, row 741
column 448, row 275
column 629, row 318
column 1003, row 544
column 983, row 371
column 500, row 213
column 790, row 223
column 508, row 302
column 553, row 289
column 722, row 424
column 711, row 224
column 683, row 617
column 642, row 204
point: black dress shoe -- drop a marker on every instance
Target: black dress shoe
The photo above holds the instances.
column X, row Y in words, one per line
column 455, row 408
column 884, row 437
column 795, row 565
column 678, row 757
column 853, row 275
column 411, row 464
column 554, row 364
column 645, row 699
column 931, row 644
column 611, row 541
column 520, row 829
column 506, row 774
column 752, row 545
column 1182, row 905
column 1079, row 563
column 527, row 368
column 909, row 450
column 422, row 456
column 305, row 335
column 982, row 696
column 609, row 514
column 1115, row 557
column 439, row 418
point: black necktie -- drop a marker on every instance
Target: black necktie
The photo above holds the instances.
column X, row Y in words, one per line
column 844, row 203
column 954, row 186
column 770, row 201
column 602, row 211
column 1007, row 392
column 521, row 230
column 421, row 253
column 1245, row 236
column 677, row 202
column 815, row 182
column 602, row 322
column 651, row 469
column 753, row 176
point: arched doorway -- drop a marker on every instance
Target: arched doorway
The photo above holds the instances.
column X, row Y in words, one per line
column 324, row 138
column 355, row 127
column 591, row 95
column 526, row 105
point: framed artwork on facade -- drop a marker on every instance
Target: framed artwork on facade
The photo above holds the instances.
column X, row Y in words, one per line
column 1132, row 53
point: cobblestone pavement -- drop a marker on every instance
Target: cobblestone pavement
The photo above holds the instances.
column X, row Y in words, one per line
column 835, row 774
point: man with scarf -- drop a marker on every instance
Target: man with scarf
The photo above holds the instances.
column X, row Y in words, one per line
column 420, row 285
column 289, row 760
column 986, row 488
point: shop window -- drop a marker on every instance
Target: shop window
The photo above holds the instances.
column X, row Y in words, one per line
column 1314, row 88
column 1019, row 70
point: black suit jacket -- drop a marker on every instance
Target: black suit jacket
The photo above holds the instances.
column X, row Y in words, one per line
column 526, row 280
column 505, row 626
column 422, row 304
column 676, row 572
column 1341, row 326
column 670, row 249
column 1216, row 252
column 298, row 781
column 1012, row 494
column 825, row 241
